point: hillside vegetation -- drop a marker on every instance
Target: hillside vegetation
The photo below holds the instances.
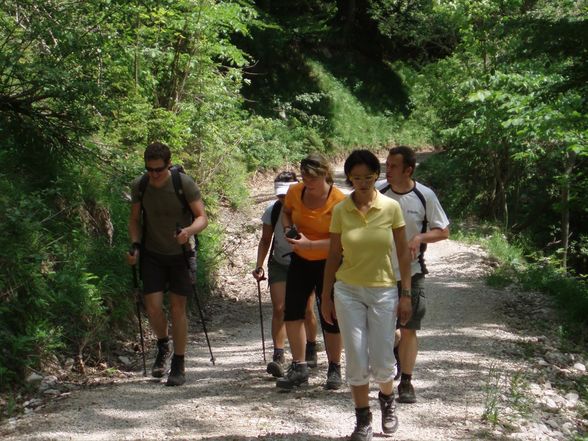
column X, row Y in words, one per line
column 499, row 87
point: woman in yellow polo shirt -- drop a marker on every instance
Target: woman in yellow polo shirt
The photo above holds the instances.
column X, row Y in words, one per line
column 306, row 218
column 366, row 228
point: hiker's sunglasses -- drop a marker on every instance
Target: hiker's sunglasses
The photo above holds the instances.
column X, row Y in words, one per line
column 156, row 169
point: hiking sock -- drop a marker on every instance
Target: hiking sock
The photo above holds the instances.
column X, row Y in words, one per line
column 278, row 353
column 162, row 341
column 405, row 378
column 310, row 354
column 383, row 396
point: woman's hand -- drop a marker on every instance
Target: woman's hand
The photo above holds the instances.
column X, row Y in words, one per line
column 328, row 309
column 258, row 274
column 302, row 243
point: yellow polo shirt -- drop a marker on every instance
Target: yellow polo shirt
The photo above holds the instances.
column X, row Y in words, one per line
column 367, row 241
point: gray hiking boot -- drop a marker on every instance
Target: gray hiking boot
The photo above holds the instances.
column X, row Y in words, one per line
column 363, row 426
column 389, row 418
column 311, row 356
column 177, row 374
column 296, row 376
column 163, row 354
column 334, row 381
column 406, row 392
column 276, row 366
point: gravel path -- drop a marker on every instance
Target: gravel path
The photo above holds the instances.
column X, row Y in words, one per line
column 466, row 344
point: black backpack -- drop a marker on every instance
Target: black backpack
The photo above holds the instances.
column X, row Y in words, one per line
column 176, row 172
column 423, row 246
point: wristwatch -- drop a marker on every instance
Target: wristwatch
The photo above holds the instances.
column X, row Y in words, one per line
column 405, row 293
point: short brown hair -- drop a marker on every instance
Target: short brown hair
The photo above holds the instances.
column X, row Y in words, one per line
column 157, row 150
column 408, row 156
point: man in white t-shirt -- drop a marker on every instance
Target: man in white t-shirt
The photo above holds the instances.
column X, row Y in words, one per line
column 426, row 222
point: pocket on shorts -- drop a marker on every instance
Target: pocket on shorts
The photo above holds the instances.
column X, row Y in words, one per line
column 418, row 302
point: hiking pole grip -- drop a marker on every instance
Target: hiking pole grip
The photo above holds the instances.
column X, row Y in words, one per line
column 187, row 260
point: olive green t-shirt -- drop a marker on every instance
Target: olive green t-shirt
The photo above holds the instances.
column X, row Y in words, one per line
column 163, row 212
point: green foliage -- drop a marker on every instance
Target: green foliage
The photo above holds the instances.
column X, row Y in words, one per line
column 536, row 272
column 509, row 108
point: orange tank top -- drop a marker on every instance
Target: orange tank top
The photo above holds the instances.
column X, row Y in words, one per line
column 314, row 223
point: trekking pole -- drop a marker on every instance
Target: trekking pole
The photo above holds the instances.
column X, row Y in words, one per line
column 318, row 306
column 138, row 303
column 193, row 279
column 260, row 269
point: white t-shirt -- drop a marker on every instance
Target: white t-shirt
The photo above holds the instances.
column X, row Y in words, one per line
column 281, row 245
column 414, row 215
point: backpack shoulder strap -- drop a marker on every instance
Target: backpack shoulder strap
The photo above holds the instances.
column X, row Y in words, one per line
column 424, row 202
column 142, row 187
column 423, row 246
column 384, row 189
column 179, row 188
column 276, row 210
column 276, row 213
column 176, row 176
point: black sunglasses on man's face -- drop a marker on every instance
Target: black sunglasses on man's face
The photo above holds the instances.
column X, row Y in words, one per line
column 155, row 169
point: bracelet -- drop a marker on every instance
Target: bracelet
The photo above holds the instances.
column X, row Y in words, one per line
column 405, row 293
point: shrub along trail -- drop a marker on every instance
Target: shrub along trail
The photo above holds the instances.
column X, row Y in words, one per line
column 478, row 354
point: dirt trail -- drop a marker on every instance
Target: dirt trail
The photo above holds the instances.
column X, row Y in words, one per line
column 465, row 339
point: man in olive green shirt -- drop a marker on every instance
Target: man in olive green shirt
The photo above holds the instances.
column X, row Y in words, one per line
column 156, row 212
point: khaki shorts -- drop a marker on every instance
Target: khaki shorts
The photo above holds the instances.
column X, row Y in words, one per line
column 419, row 306
column 276, row 272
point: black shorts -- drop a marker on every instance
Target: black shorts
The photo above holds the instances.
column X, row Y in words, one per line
column 304, row 276
column 160, row 273
column 417, row 288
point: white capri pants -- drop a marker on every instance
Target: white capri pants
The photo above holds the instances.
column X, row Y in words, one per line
column 367, row 319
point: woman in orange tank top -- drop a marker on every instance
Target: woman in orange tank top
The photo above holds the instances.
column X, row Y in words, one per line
column 306, row 219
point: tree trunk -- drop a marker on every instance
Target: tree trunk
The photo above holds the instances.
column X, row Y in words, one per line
column 346, row 10
column 570, row 160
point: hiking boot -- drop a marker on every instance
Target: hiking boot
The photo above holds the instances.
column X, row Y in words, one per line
column 296, row 376
column 389, row 418
column 276, row 366
column 334, row 377
column 311, row 357
column 406, row 392
column 177, row 374
column 163, row 355
column 363, row 426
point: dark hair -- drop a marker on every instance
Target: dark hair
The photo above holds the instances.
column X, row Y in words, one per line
column 316, row 164
column 408, row 157
column 286, row 176
column 157, row 150
column 361, row 157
